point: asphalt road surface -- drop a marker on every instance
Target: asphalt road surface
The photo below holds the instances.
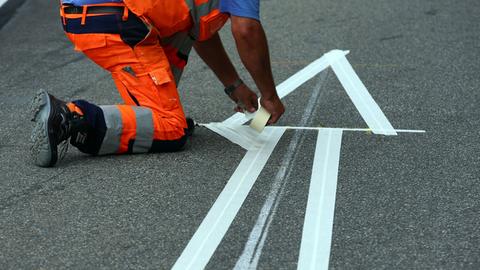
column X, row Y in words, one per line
column 405, row 202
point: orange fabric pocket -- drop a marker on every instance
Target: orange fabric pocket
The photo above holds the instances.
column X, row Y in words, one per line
column 160, row 76
column 155, row 90
column 85, row 42
column 166, row 89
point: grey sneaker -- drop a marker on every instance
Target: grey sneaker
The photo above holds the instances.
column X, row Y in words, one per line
column 53, row 126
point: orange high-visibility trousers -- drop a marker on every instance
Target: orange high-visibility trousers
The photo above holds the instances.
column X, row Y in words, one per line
column 145, row 71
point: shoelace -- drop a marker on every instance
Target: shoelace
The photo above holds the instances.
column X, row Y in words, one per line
column 63, row 145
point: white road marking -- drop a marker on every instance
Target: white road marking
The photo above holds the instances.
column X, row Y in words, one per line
column 214, row 226
column 289, row 85
column 318, row 225
column 356, row 90
column 2, row 2
column 315, row 251
column 256, row 240
column 358, row 93
column 244, row 136
column 341, row 129
column 348, row 129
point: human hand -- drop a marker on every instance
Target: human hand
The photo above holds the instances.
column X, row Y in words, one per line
column 245, row 99
column 274, row 106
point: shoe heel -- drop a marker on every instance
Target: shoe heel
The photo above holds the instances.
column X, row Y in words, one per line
column 38, row 102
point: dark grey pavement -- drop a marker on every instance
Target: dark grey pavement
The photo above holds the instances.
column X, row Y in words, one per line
column 406, row 202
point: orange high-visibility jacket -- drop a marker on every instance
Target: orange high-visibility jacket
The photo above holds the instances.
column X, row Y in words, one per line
column 201, row 18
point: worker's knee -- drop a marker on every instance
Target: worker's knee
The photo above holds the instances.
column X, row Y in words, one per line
column 244, row 27
column 170, row 132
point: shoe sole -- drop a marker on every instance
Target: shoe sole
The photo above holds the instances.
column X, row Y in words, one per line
column 41, row 151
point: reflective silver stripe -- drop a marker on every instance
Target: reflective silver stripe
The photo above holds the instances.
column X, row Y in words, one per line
column 196, row 19
column 113, row 120
column 181, row 40
column 206, row 8
column 198, row 12
column 144, row 138
column 184, row 43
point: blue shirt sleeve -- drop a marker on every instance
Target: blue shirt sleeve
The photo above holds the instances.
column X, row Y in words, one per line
column 241, row 8
column 89, row 2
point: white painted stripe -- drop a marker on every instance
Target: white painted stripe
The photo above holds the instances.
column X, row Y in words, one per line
column 358, row 93
column 347, row 129
column 318, row 225
column 256, row 240
column 342, row 129
column 302, row 76
column 244, row 136
column 356, row 90
column 292, row 83
column 2, row 2
column 230, row 135
column 214, row 226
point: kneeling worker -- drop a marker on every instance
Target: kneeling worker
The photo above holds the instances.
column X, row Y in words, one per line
column 145, row 46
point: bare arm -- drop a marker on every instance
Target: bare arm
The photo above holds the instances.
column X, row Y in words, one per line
column 213, row 54
column 253, row 50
